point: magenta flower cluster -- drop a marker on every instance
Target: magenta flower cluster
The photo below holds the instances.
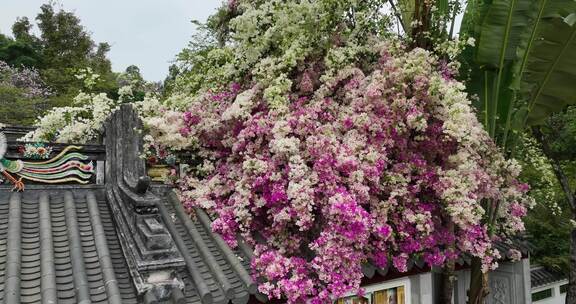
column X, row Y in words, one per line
column 384, row 164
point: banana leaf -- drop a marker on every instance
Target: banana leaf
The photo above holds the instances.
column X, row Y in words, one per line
column 499, row 27
column 406, row 8
column 505, row 24
column 523, row 65
column 442, row 6
column 548, row 82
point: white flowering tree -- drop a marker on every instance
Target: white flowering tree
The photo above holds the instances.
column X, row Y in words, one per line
column 82, row 121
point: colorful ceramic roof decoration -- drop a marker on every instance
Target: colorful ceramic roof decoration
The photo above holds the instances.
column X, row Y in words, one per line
column 67, row 166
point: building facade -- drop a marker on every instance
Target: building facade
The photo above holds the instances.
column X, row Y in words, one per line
column 548, row 286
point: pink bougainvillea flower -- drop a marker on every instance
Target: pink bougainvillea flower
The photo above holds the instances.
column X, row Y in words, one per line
column 366, row 165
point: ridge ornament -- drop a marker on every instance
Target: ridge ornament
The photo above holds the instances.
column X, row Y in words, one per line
column 65, row 167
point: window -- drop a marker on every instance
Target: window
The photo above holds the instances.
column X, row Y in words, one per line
column 541, row 295
column 353, row 300
column 389, row 296
column 564, row 288
column 385, row 293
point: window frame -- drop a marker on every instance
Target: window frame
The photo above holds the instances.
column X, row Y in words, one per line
column 402, row 282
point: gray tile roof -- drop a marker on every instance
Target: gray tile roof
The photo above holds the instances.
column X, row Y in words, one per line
column 540, row 276
column 214, row 273
column 518, row 243
column 60, row 246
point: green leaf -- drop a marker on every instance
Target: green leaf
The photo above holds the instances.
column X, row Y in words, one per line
column 526, row 49
column 548, row 82
column 503, row 27
column 406, row 8
column 499, row 27
column 472, row 19
column 517, row 122
column 442, row 6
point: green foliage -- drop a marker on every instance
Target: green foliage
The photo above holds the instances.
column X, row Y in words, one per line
column 22, row 94
column 169, row 82
column 547, row 81
column 503, row 28
column 203, row 64
column 63, row 50
column 67, row 48
column 16, row 109
column 21, row 31
column 65, row 43
column 19, row 53
column 549, row 235
column 406, row 8
column 550, row 223
column 562, row 128
column 132, row 78
column 521, row 70
column 204, row 69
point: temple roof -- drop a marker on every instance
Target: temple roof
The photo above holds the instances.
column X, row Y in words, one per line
column 60, row 246
column 116, row 240
column 213, row 270
column 540, row 276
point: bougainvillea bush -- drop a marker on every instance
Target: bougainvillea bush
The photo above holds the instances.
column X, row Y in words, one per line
column 326, row 143
column 384, row 162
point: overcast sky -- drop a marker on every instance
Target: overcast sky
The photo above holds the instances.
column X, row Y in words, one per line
column 147, row 33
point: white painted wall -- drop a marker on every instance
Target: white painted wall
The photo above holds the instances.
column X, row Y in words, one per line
column 509, row 284
column 512, row 280
column 422, row 288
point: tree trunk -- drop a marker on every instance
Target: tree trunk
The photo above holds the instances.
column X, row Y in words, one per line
column 448, row 276
column 571, row 294
column 478, row 283
column 447, row 287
